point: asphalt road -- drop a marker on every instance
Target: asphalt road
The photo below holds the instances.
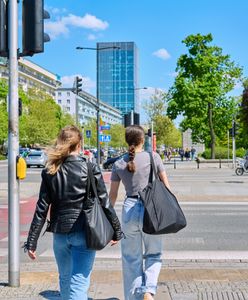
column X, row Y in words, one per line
column 214, row 201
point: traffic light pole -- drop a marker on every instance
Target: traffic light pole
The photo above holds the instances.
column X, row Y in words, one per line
column 98, row 158
column 13, row 150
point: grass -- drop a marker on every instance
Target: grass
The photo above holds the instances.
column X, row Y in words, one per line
column 2, row 157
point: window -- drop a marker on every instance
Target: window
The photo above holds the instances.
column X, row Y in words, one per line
column 68, row 94
column 59, row 93
column 68, row 101
column 59, row 101
column 68, row 108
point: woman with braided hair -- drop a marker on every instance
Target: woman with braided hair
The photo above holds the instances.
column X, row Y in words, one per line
column 141, row 253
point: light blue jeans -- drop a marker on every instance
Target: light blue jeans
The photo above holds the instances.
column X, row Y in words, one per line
column 141, row 253
column 75, row 264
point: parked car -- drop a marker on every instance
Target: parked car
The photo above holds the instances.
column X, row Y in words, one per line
column 108, row 164
column 36, row 158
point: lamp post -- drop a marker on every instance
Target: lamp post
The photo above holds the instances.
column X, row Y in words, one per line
column 97, row 95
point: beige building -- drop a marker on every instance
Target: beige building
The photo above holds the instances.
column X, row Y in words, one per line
column 32, row 75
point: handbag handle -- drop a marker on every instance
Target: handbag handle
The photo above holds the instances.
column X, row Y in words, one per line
column 153, row 168
column 91, row 181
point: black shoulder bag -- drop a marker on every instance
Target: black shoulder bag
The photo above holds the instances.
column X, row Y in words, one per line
column 162, row 211
column 99, row 231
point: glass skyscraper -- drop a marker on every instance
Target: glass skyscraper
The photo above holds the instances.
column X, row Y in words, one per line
column 117, row 75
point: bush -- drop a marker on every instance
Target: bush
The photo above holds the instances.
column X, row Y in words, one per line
column 221, row 152
column 2, row 157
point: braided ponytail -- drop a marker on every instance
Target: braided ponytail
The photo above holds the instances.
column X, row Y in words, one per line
column 134, row 137
column 131, row 165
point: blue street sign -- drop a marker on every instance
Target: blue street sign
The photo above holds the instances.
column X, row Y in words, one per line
column 105, row 138
column 88, row 134
column 105, row 127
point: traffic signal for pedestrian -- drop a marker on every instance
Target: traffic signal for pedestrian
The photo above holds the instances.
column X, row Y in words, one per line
column 149, row 132
column 3, row 28
column 78, row 85
column 33, row 36
column 127, row 120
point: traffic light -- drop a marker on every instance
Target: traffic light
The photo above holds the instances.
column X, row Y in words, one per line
column 33, row 36
column 20, row 107
column 78, row 85
column 127, row 120
column 149, row 132
column 3, row 28
column 136, row 119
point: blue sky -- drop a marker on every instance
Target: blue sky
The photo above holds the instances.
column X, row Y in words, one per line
column 156, row 26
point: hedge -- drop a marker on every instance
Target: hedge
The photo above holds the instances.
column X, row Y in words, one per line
column 221, row 152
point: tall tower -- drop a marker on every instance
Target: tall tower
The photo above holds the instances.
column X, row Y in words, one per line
column 117, row 75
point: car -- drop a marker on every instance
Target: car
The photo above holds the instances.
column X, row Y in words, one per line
column 36, row 158
column 108, row 164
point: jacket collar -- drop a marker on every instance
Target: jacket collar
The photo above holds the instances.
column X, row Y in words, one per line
column 71, row 158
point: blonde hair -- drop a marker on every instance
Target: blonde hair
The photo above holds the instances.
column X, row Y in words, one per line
column 67, row 141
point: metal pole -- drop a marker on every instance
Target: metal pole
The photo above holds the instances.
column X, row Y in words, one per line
column 233, row 146
column 13, row 150
column 152, row 137
column 228, row 147
column 132, row 117
column 77, row 121
column 97, row 110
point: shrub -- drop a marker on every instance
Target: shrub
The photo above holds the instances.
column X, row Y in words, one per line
column 221, row 152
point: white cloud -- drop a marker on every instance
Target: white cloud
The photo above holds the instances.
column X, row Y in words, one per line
column 173, row 74
column 62, row 25
column 54, row 29
column 92, row 37
column 87, row 83
column 162, row 53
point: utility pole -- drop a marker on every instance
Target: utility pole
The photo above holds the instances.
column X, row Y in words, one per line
column 13, row 149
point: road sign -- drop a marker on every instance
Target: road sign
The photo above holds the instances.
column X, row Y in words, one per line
column 88, row 134
column 105, row 127
column 105, row 138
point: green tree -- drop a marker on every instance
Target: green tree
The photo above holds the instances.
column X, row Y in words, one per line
column 3, row 111
column 166, row 132
column 200, row 91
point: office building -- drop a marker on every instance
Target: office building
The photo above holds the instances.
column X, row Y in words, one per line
column 32, row 76
column 80, row 107
column 117, row 75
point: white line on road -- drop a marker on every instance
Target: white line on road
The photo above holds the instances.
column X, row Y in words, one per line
column 176, row 255
column 226, row 203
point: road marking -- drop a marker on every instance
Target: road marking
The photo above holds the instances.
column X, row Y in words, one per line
column 226, row 203
column 175, row 255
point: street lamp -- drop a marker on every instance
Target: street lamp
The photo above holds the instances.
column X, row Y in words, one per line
column 97, row 95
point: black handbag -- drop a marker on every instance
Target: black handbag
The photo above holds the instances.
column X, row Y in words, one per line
column 162, row 213
column 99, row 231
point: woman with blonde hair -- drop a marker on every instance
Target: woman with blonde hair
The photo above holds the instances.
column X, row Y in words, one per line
column 141, row 253
column 63, row 189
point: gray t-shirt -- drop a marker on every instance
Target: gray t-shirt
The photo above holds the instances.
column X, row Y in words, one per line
column 137, row 181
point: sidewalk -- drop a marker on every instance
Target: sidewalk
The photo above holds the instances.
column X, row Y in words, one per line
column 179, row 280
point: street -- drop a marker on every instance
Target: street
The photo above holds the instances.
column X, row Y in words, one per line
column 213, row 200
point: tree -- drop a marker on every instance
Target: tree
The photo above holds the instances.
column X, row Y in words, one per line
column 166, row 132
column 200, row 91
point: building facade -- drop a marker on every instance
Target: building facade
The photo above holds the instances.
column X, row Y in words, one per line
column 33, row 76
column 82, row 110
column 117, row 75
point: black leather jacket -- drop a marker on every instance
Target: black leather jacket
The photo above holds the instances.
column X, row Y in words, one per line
column 64, row 192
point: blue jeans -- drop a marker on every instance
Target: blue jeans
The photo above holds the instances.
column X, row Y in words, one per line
column 141, row 253
column 75, row 264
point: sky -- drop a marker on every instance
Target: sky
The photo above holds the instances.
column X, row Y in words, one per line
column 156, row 26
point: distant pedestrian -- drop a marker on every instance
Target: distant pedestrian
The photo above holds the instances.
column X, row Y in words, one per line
column 187, row 154
column 63, row 191
column 141, row 268
column 181, row 153
column 193, row 152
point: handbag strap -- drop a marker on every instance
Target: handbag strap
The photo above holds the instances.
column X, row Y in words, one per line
column 153, row 169
column 91, row 181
